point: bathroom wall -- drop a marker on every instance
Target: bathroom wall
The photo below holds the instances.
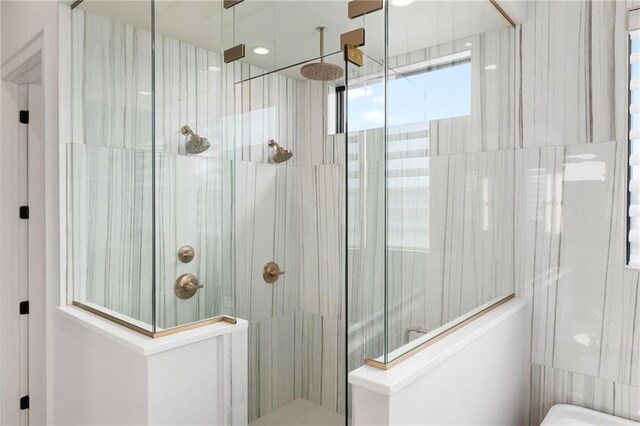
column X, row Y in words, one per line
column 584, row 306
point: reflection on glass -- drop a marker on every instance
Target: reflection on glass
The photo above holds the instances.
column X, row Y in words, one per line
column 449, row 170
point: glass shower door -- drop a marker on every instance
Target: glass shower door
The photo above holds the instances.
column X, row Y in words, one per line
column 287, row 73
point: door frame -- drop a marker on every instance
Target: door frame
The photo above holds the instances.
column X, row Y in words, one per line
column 35, row 63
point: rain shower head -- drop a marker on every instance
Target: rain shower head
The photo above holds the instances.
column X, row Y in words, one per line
column 281, row 154
column 196, row 144
column 321, row 71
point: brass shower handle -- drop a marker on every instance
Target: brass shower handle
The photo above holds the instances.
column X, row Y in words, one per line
column 192, row 286
column 186, row 286
column 271, row 272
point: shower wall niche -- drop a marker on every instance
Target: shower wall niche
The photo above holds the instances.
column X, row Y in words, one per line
column 135, row 194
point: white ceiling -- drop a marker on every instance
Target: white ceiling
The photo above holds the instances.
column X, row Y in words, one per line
column 288, row 27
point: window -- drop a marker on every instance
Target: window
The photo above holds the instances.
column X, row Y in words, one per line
column 633, row 219
column 417, row 95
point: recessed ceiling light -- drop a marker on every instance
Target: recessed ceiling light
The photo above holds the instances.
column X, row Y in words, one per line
column 401, row 3
column 259, row 50
column 468, row 44
column 490, row 67
column 214, row 69
column 144, row 93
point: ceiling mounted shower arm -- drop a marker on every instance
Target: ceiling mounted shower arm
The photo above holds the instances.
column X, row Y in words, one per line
column 321, row 71
column 321, row 30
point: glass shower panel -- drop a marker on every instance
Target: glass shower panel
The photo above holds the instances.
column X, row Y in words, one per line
column 194, row 176
column 366, row 216
column 449, row 166
column 150, row 175
column 109, row 162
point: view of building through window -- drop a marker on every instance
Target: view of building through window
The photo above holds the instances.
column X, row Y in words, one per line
column 415, row 99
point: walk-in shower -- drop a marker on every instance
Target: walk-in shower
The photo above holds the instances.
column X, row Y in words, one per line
column 379, row 176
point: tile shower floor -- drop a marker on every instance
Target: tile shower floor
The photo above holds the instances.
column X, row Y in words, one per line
column 300, row 413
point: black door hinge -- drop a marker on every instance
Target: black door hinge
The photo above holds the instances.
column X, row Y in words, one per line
column 24, row 307
column 24, row 212
column 24, row 116
column 24, row 402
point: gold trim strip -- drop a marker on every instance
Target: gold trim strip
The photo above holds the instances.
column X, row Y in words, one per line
column 117, row 320
column 149, row 333
column 382, row 366
column 354, row 38
column 234, row 53
column 362, row 7
column 503, row 13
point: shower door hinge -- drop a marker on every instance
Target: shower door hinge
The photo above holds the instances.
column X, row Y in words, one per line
column 24, row 212
column 357, row 8
column 24, row 402
column 24, row 307
column 354, row 55
column 24, row 116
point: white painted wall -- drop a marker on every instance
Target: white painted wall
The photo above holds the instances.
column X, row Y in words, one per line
column 108, row 375
column 475, row 376
column 22, row 21
column 28, row 33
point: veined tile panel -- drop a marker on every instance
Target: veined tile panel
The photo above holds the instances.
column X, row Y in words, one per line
column 550, row 386
column 111, row 88
column 274, row 367
column 188, row 92
column 111, row 83
column 191, row 195
column 571, row 208
column 109, row 232
column 573, row 63
column 268, row 224
column 322, row 254
column 266, row 108
column 471, row 243
column 321, row 354
column 571, row 238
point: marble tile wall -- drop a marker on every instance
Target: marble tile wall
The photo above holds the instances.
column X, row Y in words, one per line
column 571, row 206
column 110, row 173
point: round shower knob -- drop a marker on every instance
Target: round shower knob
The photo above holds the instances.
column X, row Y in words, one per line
column 271, row 272
column 186, row 286
column 186, row 254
